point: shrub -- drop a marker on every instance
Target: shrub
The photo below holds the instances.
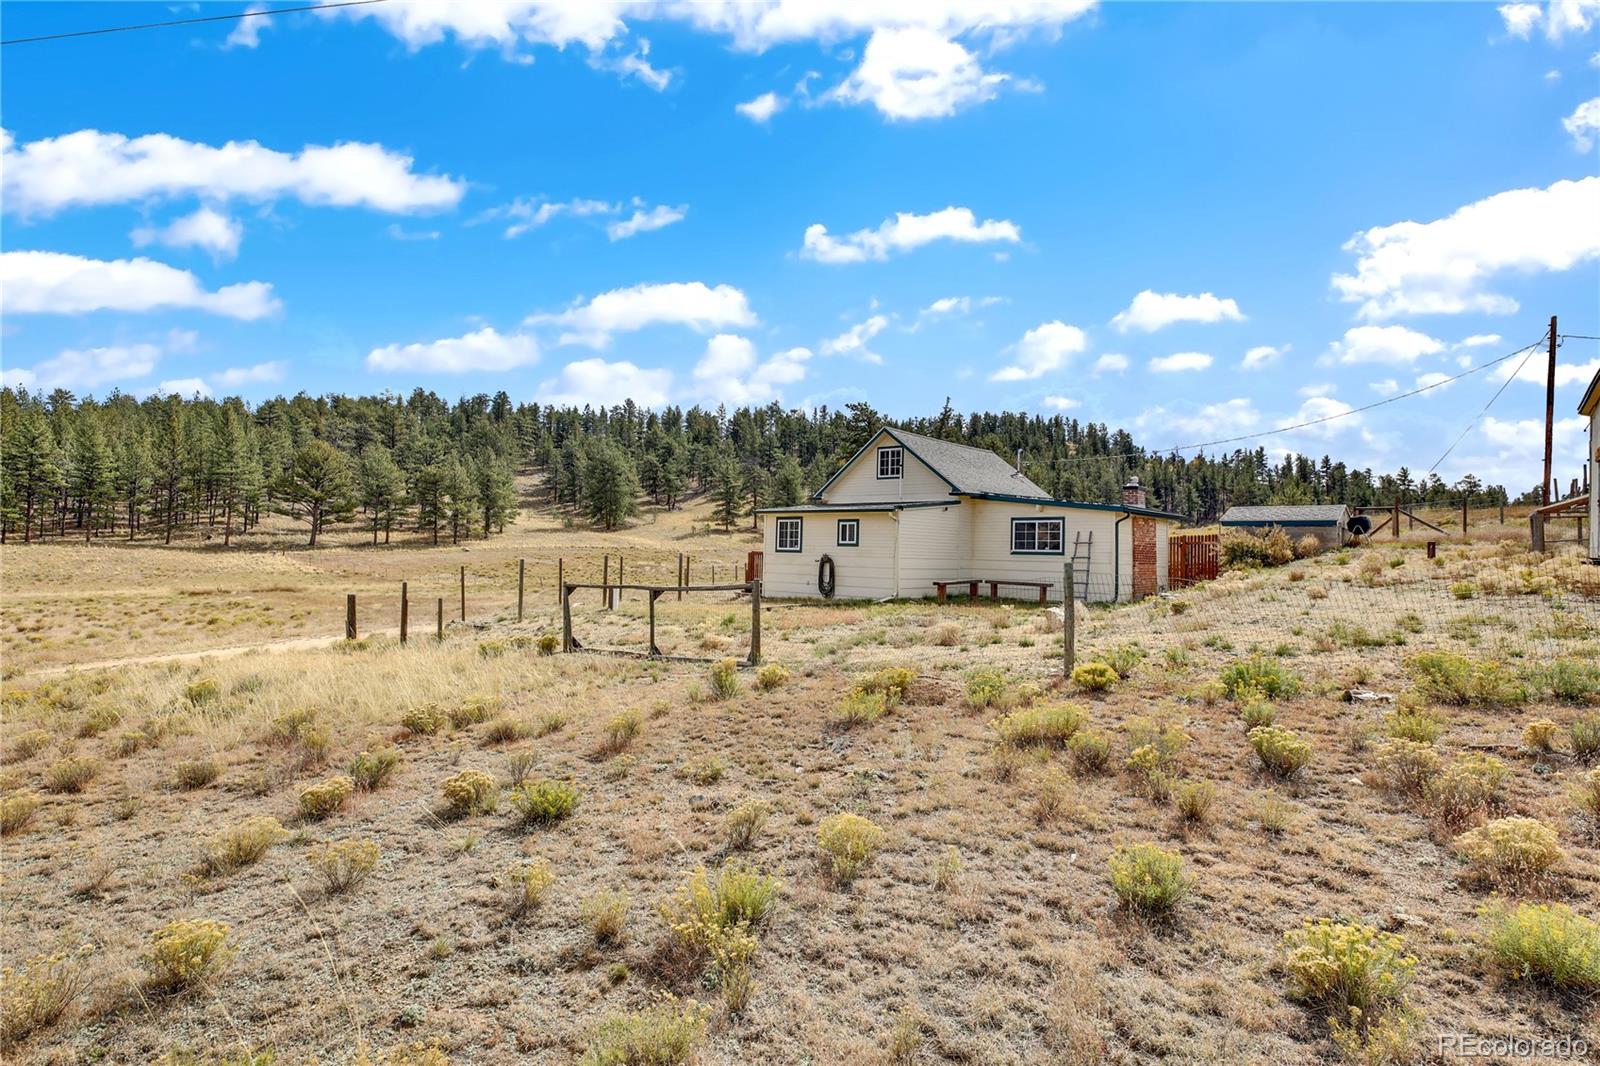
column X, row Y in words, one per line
column 424, row 721
column 1194, row 800
column 544, row 802
column 1448, row 678
column 1147, row 879
column 621, row 731
column 1510, row 852
column 744, row 824
column 1585, row 736
column 706, row 770
column 1282, row 753
column 491, row 649
column 1046, row 725
column 947, row 635
column 1466, row 787
column 547, row 643
column 478, row 707
column 1166, row 739
column 860, row 707
column 1407, row 766
column 947, row 869
column 1547, row 943
column 1094, row 676
column 371, row 770
column 1090, row 750
column 196, row 773
column 893, row 682
column 1346, row 966
column 185, row 953
column 36, row 995
column 986, row 687
column 16, row 811
column 286, row 726
column 724, row 679
column 1463, row 590
column 1268, row 677
column 322, row 799
column 131, row 741
column 528, row 882
column 849, row 841
column 705, row 910
column 202, row 691
column 1540, row 735
column 606, row 915
column 1307, row 546
column 1587, row 795
column 1408, row 723
column 663, row 1035
column 241, row 845
column 1572, row 681
column 343, row 864
column 27, row 744
column 1257, row 713
column 519, row 764
column 98, row 721
column 1124, row 659
column 1052, row 796
column 1242, row 550
column 504, row 730
column 71, row 774
column 771, row 676
column 469, row 792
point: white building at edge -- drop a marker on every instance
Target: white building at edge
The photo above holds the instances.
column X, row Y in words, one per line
column 1590, row 406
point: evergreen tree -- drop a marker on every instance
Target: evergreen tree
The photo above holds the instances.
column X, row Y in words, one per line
column 33, row 466
column 381, row 487
column 788, row 484
column 497, row 492
column 318, row 488
column 92, row 475
column 729, row 492
column 610, row 483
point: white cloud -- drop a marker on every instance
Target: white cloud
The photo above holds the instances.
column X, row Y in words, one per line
column 184, row 387
column 400, row 233
column 1316, row 388
column 207, row 229
column 1111, row 363
column 260, row 373
column 530, row 213
column 1442, row 267
column 757, row 27
column 1536, row 370
column 1178, row 362
column 1042, row 349
column 1480, row 340
column 1520, row 19
column 1335, row 412
column 1511, row 450
column 854, row 340
column 762, row 108
column 58, row 283
column 89, row 168
column 1262, row 355
column 693, row 304
column 634, row 64
column 1151, row 311
column 81, row 369
column 1226, row 418
column 484, row 350
column 1386, row 387
column 728, row 371
column 1583, row 125
column 644, row 220
column 1381, row 344
column 247, row 31
column 952, row 306
column 597, row 383
column 917, row 73
column 1432, row 379
column 502, row 25
column 905, row 232
column 1558, row 18
column 1061, row 403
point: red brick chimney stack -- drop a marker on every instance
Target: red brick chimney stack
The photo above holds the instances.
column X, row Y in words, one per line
column 1133, row 493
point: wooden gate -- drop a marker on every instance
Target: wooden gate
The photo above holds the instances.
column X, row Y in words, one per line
column 1191, row 557
column 752, row 566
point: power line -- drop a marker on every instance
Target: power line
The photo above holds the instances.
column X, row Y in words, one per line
column 1509, row 379
column 1576, row 337
column 189, row 22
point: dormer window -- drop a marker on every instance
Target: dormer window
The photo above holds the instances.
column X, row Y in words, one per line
column 890, row 463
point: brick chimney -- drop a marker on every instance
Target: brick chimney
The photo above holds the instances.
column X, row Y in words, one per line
column 1133, row 493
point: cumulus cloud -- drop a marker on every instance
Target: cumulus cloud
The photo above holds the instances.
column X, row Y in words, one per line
column 1381, row 344
column 58, row 283
column 86, row 368
column 1151, row 311
column 729, row 373
column 757, row 27
column 1332, row 417
column 1060, row 403
column 762, row 108
column 247, row 31
column 1583, row 125
column 1222, row 419
column 692, row 304
column 1179, row 362
column 207, row 229
column 184, row 387
column 1261, row 356
column 484, row 350
column 1510, row 451
column 1444, row 266
column 854, row 341
column 906, row 232
column 1043, row 348
column 644, row 220
column 1534, row 371
column 597, row 383
column 258, row 374
column 1110, row 363
column 917, row 73
column 1557, row 18
column 90, row 168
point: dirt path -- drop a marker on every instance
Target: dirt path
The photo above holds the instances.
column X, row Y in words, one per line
column 271, row 647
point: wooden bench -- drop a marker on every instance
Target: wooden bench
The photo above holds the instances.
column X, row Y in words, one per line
column 1043, row 586
column 943, row 588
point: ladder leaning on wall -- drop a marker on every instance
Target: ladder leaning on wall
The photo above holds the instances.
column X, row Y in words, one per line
column 1082, row 545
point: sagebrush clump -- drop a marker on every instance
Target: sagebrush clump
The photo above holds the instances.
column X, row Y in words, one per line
column 185, row 953
column 770, row 677
column 1465, row 788
column 860, row 707
column 424, row 721
column 1095, row 676
column 326, row 797
column 1090, row 750
column 17, row 810
column 849, row 841
column 1264, row 677
column 666, row 1034
column 469, row 792
column 241, row 845
column 1346, row 966
column 1045, row 725
column 1514, row 853
column 343, row 864
column 544, row 803
column 1449, row 678
column 1406, row 766
column 371, row 770
column 1148, row 879
column 528, row 882
column 744, row 824
column 71, row 774
column 1545, row 942
column 1282, row 753
column 724, row 678
column 606, row 915
column 35, row 995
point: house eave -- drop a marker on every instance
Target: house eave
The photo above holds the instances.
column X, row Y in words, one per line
column 846, row 508
column 1591, row 396
column 1120, row 508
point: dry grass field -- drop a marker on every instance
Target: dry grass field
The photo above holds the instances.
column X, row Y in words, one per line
column 480, row 853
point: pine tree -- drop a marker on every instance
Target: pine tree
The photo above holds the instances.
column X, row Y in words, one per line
column 318, row 488
column 458, row 497
column 92, row 474
column 497, row 492
column 729, row 492
column 382, row 488
column 788, row 484
column 610, row 483
column 33, row 464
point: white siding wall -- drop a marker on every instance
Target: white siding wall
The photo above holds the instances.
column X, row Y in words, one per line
column 864, row 572
column 991, row 547
column 934, row 542
column 860, row 483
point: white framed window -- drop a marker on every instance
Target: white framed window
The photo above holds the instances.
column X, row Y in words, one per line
column 1037, row 536
column 891, row 461
column 849, row 532
column 788, row 535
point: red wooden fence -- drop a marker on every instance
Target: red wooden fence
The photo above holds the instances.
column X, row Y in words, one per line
column 1191, row 557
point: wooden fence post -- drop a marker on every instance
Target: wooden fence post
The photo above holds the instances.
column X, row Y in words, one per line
column 651, row 596
column 605, row 582
column 1069, row 621
column 439, row 634
column 755, row 622
column 561, row 580
column 522, row 580
column 566, row 619
column 1397, row 518
column 350, row 616
column 463, row 593
column 1463, row 516
column 680, row 577
column 619, row 579
column 1502, row 512
column 405, row 612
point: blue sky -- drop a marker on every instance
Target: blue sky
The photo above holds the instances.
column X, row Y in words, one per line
column 1024, row 204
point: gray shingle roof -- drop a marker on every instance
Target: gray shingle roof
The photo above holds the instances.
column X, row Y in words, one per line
column 1284, row 514
column 970, row 470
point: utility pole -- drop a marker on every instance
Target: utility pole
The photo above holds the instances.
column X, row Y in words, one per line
column 1549, row 415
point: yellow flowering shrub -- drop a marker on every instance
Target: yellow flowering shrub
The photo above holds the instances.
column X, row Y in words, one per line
column 1045, row 724
column 343, row 864
column 1545, row 942
column 849, row 841
column 184, row 953
column 423, row 721
column 665, row 1034
column 1540, row 735
column 1465, row 787
column 36, row 994
column 1094, row 676
column 1408, row 765
column 1282, row 752
column 240, row 845
column 528, row 882
column 17, row 810
column 1147, row 878
column 325, row 797
column 1345, row 965
column 1512, row 852
column 470, row 792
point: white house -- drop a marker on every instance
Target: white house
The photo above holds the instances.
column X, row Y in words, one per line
column 908, row 513
column 1590, row 406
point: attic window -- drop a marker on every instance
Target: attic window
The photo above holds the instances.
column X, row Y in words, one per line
column 890, row 463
